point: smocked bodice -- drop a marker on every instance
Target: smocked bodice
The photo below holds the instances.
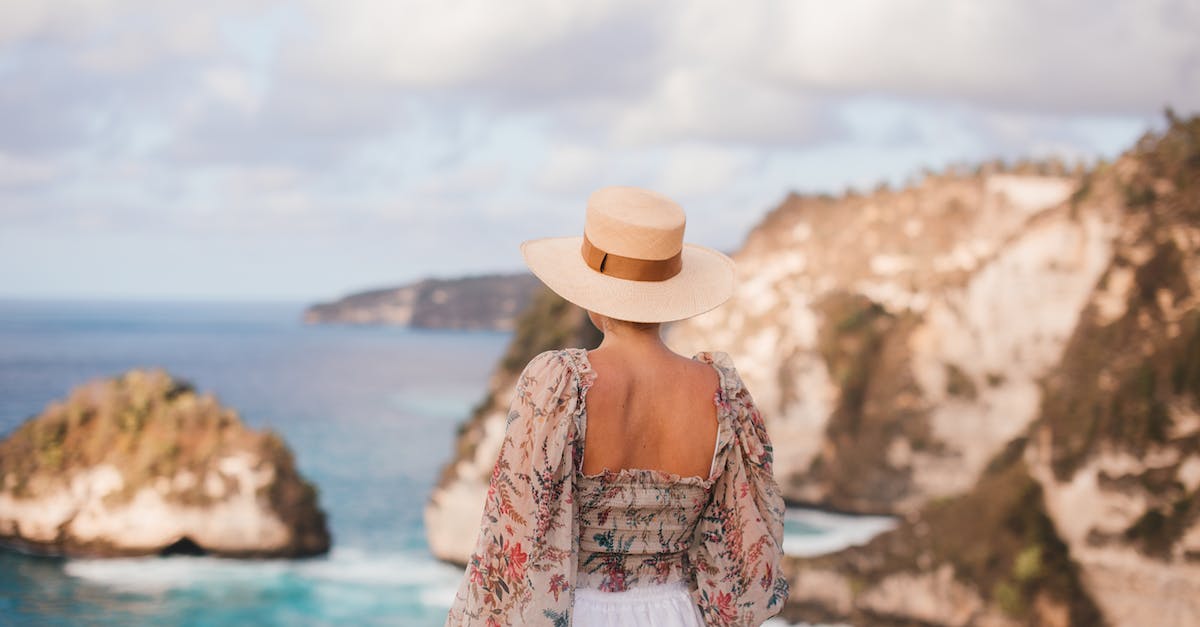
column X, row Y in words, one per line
column 635, row 527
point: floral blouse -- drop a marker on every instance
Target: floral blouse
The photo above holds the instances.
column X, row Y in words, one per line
column 547, row 528
column 635, row 527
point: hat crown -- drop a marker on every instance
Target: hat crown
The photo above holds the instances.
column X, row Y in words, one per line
column 635, row 223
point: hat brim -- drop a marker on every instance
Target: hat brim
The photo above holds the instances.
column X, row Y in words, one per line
column 706, row 281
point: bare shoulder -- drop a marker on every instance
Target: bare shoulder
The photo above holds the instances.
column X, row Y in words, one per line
column 695, row 379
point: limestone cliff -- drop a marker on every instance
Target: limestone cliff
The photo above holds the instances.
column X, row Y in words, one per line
column 895, row 340
column 472, row 303
column 455, row 508
column 142, row 464
column 1092, row 516
column 1118, row 442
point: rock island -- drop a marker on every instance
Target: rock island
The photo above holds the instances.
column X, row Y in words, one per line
column 142, row 464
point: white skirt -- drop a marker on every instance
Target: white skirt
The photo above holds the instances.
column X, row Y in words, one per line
column 668, row 605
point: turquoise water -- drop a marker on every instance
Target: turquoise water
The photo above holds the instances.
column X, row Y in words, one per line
column 370, row 413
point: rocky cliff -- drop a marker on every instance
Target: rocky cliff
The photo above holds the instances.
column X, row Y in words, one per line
column 895, row 340
column 456, row 506
column 142, row 464
column 1092, row 514
column 474, row 303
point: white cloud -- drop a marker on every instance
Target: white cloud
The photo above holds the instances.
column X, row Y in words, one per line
column 122, row 35
column 256, row 180
column 25, row 19
column 569, row 168
column 23, row 171
column 233, row 87
column 693, row 170
column 1042, row 56
column 698, row 103
column 1046, row 56
column 153, row 38
column 761, row 72
column 440, row 42
column 484, row 123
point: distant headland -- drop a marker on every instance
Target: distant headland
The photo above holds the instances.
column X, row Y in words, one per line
column 479, row 303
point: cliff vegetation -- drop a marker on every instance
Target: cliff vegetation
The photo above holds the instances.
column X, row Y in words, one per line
column 1092, row 515
column 145, row 443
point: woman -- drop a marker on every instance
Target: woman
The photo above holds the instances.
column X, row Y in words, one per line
column 634, row 485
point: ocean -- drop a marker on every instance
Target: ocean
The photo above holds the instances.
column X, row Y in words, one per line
column 370, row 413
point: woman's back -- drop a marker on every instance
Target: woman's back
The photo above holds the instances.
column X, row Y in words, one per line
column 633, row 485
column 650, row 411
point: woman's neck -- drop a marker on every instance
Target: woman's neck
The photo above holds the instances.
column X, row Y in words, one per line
column 633, row 341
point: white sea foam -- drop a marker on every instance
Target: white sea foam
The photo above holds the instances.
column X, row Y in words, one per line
column 152, row 575
column 433, row 582
column 397, row 569
column 831, row 532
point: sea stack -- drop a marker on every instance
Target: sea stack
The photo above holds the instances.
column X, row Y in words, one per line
column 142, row 464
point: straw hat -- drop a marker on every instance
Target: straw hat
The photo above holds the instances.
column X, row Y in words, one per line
column 631, row 263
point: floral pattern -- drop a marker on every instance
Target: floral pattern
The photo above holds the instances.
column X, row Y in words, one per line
column 635, row 527
column 548, row 529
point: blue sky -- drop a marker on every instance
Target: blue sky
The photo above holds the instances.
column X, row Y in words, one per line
column 264, row 150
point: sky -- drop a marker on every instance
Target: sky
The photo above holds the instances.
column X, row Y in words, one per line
column 266, row 150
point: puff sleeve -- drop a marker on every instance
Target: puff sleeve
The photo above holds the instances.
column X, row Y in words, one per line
column 738, row 543
column 522, row 569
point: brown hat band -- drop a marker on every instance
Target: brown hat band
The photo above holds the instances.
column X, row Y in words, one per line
column 630, row 268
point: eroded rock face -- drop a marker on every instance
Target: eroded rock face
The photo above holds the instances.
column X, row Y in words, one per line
column 142, row 464
column 895, row 341
column 991, row 556
column 1118, row 441
column 1092, row 515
